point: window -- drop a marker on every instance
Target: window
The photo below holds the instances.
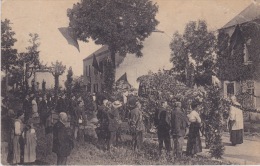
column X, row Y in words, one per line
column 247, row 59
column 89, row 70
column 101, row 66
column 86, row 71
column 251, row 93
column 89, row 87
column 95, row 71
column 95, row 88
column 229, row 88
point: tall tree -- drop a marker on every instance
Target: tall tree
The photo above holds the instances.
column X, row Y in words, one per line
column 68, row 82
column 123, row 25
column 57, row 69
column 195, row 46
column 109, row 76
column 30, row 59
column 8, row 53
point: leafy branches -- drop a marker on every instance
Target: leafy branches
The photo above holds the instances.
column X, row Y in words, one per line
column 123, row 25
column 192, row 53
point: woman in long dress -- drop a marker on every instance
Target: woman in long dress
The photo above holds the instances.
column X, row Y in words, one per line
column 194, row 143
column 18, row 140
column 30, row 144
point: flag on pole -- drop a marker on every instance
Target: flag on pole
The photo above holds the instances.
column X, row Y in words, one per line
column 123, row 78
column 70, row 36
column 95, row 63
column 236, row 38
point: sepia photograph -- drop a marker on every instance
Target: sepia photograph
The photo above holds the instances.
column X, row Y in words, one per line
column 130, row 82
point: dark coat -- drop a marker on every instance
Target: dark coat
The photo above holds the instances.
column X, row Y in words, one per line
column 61, row 105
column 113, row 116
column 44, row 110
column 136, row 119
column 27, row 108
column 62, row 142
column 43, row 107
column 179, row 122
column 102, row 116
column 162, row 119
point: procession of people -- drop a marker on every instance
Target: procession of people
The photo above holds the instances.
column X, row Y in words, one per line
column 101, row 122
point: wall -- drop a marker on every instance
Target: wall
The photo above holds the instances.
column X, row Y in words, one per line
column 89, row 71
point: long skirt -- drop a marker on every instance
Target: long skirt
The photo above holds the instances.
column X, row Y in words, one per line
column 236, row 136
column 17, row 149
column 30, row 148
column 194, row 143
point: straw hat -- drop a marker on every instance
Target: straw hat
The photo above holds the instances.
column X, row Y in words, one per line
column 116, row 104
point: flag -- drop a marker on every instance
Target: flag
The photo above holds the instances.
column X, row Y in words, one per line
column 236, row 38
column 70, row 36
column 122, row 78
column 95, row 63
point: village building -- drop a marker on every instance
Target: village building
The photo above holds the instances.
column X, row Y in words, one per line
column 250, row 15
column 92, row 77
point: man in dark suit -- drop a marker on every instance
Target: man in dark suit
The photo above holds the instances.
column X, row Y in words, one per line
column 43, row 109
column 162, row 123
column 62, row 141
column 27, row 108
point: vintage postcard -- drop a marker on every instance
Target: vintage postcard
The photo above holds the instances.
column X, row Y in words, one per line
column 130, row 82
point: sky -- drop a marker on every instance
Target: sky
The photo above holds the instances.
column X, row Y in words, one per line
column 46, row 16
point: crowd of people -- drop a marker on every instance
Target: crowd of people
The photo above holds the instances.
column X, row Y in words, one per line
column 102, row 122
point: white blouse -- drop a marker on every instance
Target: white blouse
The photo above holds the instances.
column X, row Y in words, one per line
column 236, row 114
column 194, row 116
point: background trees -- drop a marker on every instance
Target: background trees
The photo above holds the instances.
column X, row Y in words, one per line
column 68, row 83
column 193, row 53
column 8, row 53
column 123, row 25
column 57, row 69
column 29, row 60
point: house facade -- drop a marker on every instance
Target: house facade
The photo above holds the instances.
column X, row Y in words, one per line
column 93, row 78
column 249, row 87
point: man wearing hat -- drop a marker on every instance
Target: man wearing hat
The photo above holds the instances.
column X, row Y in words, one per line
column 113, row 125
column 136, row 123
column 179, row 123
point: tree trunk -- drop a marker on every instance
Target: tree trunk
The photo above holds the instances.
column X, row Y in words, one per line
column 187, row 70
column 113, row 57
column 56, row 87
column 6, row 81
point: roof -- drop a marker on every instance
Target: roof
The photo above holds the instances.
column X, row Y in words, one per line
column 250, row 13
column 99, row 52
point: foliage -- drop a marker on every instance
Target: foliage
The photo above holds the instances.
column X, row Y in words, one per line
column 9, row 55
column 30, row 58
column 192, row 53
column 212, row 115
column 57, row 69
column 68, row 83
column 231, row 63
column 160, row 85
column 123, row 25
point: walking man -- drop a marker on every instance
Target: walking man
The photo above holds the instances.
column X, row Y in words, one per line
column 179, row 123
column 62, row 142
column 136, row 124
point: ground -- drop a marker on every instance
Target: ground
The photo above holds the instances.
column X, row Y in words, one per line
column 87, row 153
